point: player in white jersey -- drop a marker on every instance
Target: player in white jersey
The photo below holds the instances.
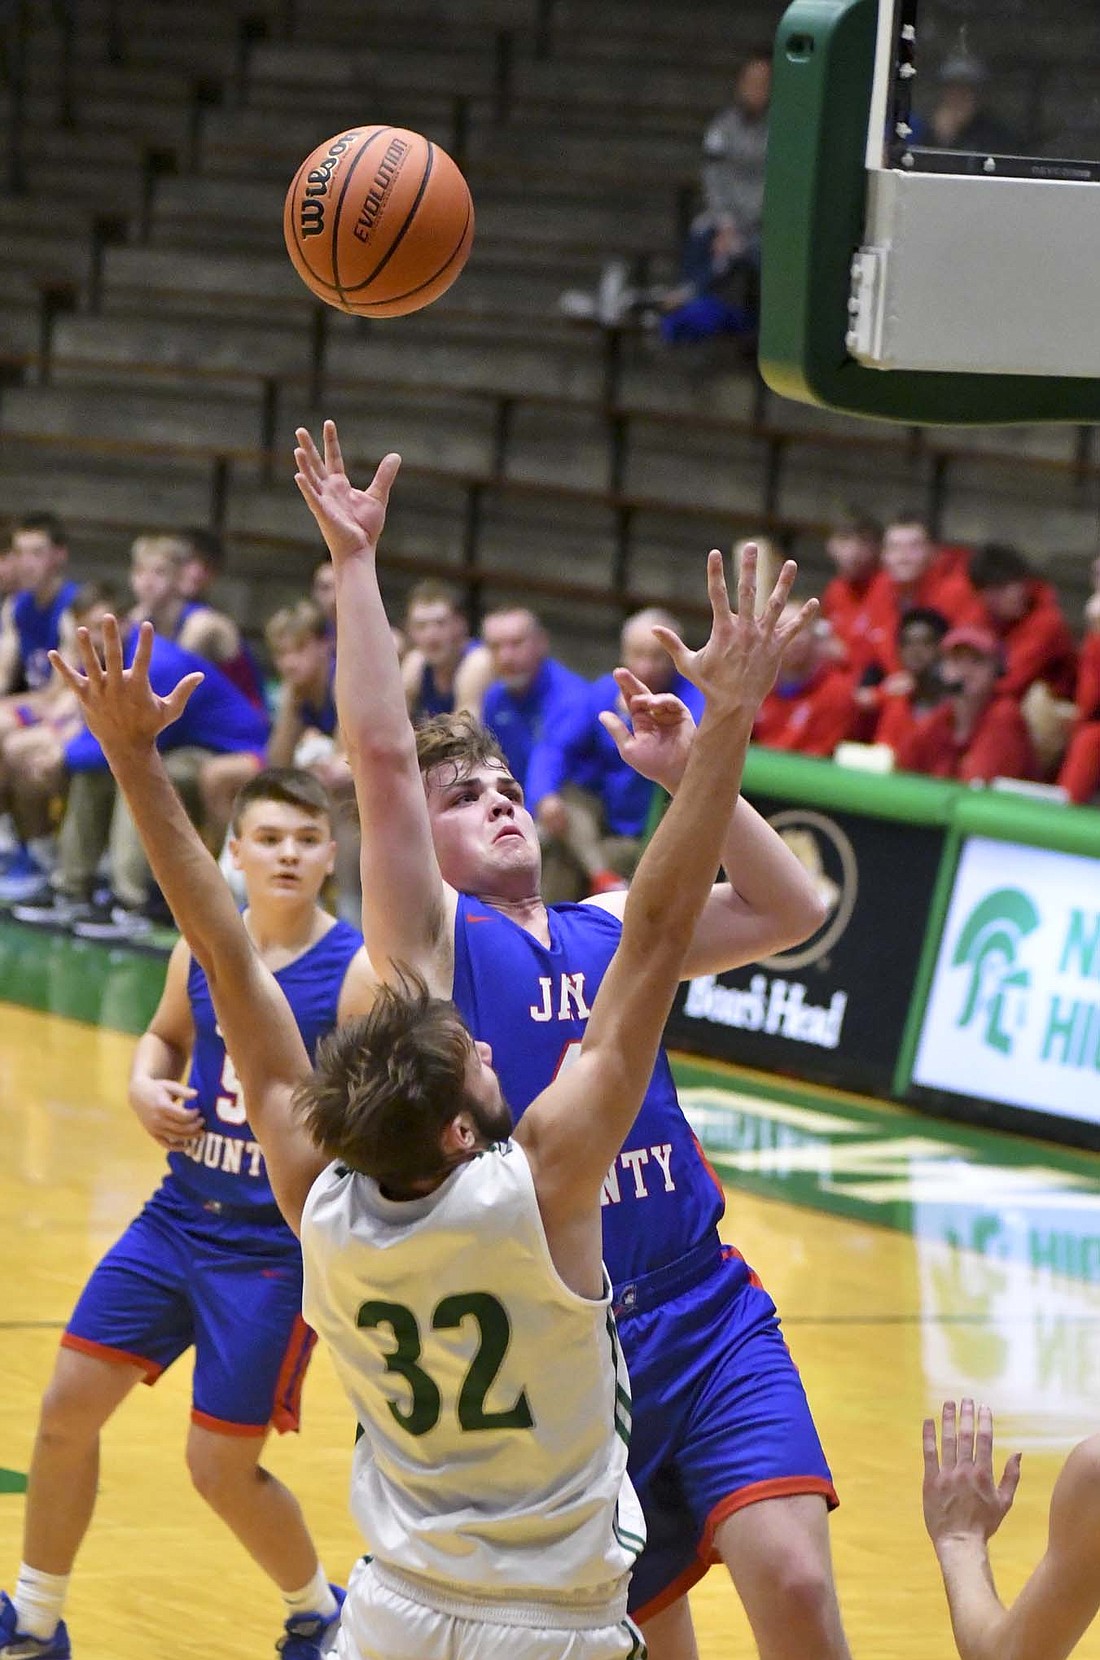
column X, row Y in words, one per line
column 454, row 1268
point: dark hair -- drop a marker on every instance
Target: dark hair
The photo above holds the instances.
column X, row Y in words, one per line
column 855, row 522
column 996, row 563
column 431, row 592
column 206, row 545
column 910, row 516
column 458, row 740
column 48, row 524
column 385, row 1086
column 292, row 786
column 91, row 594
column 928, row 617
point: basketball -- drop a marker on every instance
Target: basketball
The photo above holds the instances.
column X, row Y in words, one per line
column 378, row 221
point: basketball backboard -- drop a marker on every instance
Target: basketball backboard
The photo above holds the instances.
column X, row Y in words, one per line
column 932, row 216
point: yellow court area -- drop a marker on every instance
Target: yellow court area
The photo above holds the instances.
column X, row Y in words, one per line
column 877, row 1318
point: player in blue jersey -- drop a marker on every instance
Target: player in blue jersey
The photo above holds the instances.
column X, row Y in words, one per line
column 209, row 1263
column 724, row 1454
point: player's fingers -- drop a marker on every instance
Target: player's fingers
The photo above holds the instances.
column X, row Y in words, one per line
column 966, row 1432
column 673, row 644
column 179, row 697
column 629, row 684
column 93, row 668
column 310, row 469
column 182, row 1092
column 928, row 1442
column 808, row 615
column 384, row 475
column 112, row 647
column 69, row 675
column 310, row 493
column 309, row 451
column 948, row 1438
column 144, row 651
column 779, row 595
column 983, row 1440
column 1010, row 1480
column 746, row 579
column 334, row 455
column 616, row 727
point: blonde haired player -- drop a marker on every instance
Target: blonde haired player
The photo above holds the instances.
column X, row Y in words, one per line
column 454, row 1269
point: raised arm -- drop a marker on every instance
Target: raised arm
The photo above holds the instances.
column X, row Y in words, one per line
column 963, row 1507
column 574, row 1130
column 126, row 715
column 408, row 910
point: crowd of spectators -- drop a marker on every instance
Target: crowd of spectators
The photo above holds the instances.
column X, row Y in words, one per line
column 945, row 660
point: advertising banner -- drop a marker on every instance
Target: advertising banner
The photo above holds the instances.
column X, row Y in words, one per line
column 1013, row 1015
column 833, row 1008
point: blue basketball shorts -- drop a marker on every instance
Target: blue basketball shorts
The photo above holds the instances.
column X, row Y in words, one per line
column 720, row 1417
column 231, row 1286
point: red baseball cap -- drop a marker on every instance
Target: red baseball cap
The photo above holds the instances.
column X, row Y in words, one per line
column 972, row 638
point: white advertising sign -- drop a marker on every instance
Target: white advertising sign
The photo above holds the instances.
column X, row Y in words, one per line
column 1013, row 1015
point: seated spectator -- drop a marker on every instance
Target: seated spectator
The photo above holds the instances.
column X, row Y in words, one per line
column 915, row 572
column 811, row 708
column 976, row 734
column 444, row 669
column 909, row 697
column 1027, row 619
column 201, row 568
column 959, row 119
column 720, row 264
column 156, row 567
column 9, row 567
column 35, row 705
column 218, row 719
column 531, row 691
column 1080, row 772
column 590, row 805
column 855, row 548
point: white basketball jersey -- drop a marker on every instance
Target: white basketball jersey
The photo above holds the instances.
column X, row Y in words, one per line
column 494, row 1400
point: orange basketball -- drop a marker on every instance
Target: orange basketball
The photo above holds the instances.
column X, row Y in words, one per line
column 378, row 221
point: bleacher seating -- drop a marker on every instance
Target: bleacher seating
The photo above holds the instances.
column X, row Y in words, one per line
column 157, row 349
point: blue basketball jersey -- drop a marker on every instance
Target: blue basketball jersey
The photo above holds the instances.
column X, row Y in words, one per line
column 430, row 701
column 224, row 1162
column 39, row 631
column 661, row 1199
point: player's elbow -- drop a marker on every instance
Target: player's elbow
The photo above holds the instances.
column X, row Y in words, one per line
column 809, row 911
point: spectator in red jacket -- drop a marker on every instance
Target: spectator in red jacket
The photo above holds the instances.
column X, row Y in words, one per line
column 1080, row 773
column 976, row 734
column 1028, row 621
column 855, row 548
column 812, row 706
column 915, row 572
column 910, row 696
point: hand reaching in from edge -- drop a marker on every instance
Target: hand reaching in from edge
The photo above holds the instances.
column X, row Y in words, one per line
column 962, row 1499
column 350, row 520
column 736, row 669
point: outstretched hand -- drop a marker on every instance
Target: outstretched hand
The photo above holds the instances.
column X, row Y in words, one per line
column 658, row 739
column 736, row 669
column 350, row 520
column 118, row 704
column 962, row 1499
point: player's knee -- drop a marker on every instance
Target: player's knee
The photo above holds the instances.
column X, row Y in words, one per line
column 802, row 1586
column 69, row 1412
column 216, row 1471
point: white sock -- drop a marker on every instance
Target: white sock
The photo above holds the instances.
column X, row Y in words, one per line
column 38, row 1600
column 314, row 1598
column 43, row 849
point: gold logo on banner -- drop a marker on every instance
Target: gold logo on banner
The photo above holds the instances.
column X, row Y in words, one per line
column 829, row 859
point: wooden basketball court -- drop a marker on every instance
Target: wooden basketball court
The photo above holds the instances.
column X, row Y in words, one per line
column 904, row 1257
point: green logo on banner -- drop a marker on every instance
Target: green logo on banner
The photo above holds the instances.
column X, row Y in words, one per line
column 989, row 943
column 12, row 1481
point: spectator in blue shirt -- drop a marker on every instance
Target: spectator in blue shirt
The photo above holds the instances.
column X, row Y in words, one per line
column 589, row 804
column 218, row 719
column 531, row 692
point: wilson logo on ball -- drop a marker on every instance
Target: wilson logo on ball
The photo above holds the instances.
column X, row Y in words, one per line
column 312, row 209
